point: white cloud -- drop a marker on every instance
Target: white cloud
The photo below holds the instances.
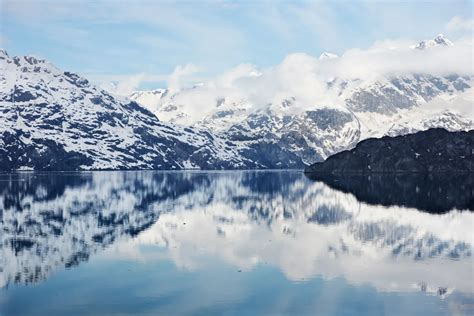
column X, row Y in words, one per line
column 120, row 85
column 460, row 24
column 402, row 60
column 180, row 76
column 390, row 44
column 304, row 78
column 124, row 85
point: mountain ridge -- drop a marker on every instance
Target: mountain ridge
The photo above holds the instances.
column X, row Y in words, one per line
column 55, row 120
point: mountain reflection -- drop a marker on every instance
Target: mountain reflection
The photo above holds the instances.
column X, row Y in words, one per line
column 434, row 193
column 305, row 228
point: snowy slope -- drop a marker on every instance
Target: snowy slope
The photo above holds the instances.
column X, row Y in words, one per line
column 56, row 120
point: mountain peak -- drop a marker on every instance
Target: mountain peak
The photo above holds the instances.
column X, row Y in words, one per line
column 34, row 60
column 442, row 40
column 157, row 92
column 3, row 54
column 30, row 59
column 327, row 55
column 439, row 40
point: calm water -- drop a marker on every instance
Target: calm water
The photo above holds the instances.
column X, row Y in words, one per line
column 236, row 243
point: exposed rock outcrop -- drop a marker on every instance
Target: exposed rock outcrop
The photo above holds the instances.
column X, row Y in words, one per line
column 434, row 150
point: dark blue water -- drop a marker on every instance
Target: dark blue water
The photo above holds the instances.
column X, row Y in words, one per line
column 235, row 243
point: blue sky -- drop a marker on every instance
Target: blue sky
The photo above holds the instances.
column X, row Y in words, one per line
column 108, row 40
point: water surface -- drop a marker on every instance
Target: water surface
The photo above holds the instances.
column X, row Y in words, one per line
column 236, row 243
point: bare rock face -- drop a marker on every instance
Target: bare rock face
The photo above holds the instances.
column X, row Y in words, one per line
column 431, row 151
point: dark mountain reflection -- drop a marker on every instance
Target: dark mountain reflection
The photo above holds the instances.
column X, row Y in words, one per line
column 58, row 220
column 433, row 193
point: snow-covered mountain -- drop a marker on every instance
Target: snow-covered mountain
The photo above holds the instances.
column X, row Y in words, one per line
column 316, row 115
column 327, row 55
column 55, row 221
column 438, row 40
column 56, row 120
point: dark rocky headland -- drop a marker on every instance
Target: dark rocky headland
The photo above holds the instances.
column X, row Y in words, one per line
column 433, row 151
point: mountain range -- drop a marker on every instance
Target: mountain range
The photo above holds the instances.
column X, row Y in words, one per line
column 57, row 120
column 357, row 108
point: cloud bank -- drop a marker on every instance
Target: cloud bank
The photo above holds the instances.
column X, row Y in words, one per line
column 460, row 24
column 306, row 80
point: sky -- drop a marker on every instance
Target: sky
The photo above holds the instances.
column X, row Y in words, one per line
column 148, row 44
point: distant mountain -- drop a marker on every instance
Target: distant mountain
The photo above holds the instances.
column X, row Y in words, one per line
column 56, row 120
column 327, row 55
column 434, row 150
column 357, row 109
column 439, row 40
